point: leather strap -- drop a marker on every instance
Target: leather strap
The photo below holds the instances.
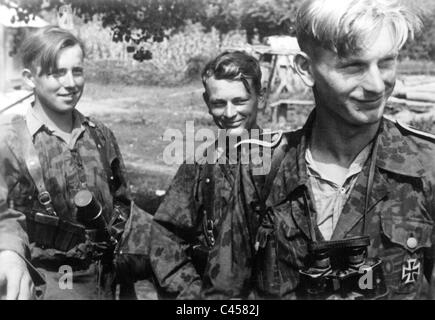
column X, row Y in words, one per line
column 208, row 188
column 277, row 158
column 103, row 156
column 33, row 164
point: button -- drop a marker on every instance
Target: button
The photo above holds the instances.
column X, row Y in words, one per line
column 411, row 243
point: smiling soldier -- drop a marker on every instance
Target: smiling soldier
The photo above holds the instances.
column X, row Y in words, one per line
column 202, row 235
column 353, row 198
column 63, row 173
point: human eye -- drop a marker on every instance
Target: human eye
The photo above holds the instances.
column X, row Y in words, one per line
column 240, row 101
column 218, row 104
column 57, row 73
column 353, row 67
column 387, row 63
column 77, row 72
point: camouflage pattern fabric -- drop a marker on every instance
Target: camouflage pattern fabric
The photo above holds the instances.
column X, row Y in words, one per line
column 65, row 172
column 132, row 258
column 178, row 227
column 399, row 220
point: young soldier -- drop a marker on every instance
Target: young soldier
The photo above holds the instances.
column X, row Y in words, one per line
column 63, row 172
column 352, row 205
column 202, row 235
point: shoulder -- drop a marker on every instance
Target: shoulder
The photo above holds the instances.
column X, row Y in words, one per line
column 421, row 143
column 268, row 139
column 412, row 132
column 416, row 138
column 9, row 127
column 97, row 124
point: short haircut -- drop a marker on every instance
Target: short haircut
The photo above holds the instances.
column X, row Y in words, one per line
column 342, row 26
column 41, row 48
column 236, row 65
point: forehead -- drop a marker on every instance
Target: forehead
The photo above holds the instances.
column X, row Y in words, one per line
column 372, row 47
column 70, row 55
column 226, row 89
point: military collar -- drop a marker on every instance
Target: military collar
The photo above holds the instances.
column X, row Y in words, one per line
column 394, row 155
column 221, row 151
column 292, row 174
column 35, row 123
column 394, row 152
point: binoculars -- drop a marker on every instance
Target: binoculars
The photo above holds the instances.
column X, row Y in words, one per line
column 341, row 270
column 89, row 213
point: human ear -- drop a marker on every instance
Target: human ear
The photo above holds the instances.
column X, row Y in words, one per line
column 28, row 78
column 206, row 100
column 302, row 63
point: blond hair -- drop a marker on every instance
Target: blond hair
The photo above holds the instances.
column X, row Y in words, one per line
column 42, row 47
column 344, row 26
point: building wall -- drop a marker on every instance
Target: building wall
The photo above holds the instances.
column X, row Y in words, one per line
column 2, row 59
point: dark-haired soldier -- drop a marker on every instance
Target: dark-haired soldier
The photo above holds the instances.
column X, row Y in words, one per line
column 202, row 234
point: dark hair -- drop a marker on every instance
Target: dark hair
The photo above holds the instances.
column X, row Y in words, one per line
column 236, row 65
column 41, row 48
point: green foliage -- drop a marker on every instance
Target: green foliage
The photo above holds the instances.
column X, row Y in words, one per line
column 139, row 22
column 131, row 21
column 260, row 18
column 176, row 60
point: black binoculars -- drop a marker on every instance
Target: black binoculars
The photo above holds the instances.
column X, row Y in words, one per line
column 340, row 269
column 89, row 213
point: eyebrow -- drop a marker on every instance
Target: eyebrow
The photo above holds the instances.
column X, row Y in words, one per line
column 350, row 60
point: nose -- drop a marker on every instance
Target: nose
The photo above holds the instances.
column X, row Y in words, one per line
column 374, row 81
column 230, row 110
column 68, row 80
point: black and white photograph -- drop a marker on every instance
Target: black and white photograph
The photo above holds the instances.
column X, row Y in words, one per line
column 231, row 150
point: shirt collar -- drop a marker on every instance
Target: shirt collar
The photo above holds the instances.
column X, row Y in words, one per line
column 355, row 167
column 394, row 154
column 34, row 122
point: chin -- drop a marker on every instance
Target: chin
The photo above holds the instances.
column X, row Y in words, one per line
column 237, row 131
column 64, row 109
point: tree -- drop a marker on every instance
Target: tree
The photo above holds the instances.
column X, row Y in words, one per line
column 132, row 21
column 259, row 17
column 139, row 21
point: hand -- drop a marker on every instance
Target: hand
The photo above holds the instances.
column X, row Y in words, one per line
column 15, row 280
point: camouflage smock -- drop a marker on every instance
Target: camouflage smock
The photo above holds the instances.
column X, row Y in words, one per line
column 400, row 216
column 178, row 226
column 65, row 172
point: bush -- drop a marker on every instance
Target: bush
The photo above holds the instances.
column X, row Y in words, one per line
column 176, row 60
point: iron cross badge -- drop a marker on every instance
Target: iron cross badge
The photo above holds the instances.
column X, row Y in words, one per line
column 410, row 271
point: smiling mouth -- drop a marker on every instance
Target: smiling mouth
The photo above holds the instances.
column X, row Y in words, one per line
column 68, row 97
column 370, row 101
column 233, row 124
